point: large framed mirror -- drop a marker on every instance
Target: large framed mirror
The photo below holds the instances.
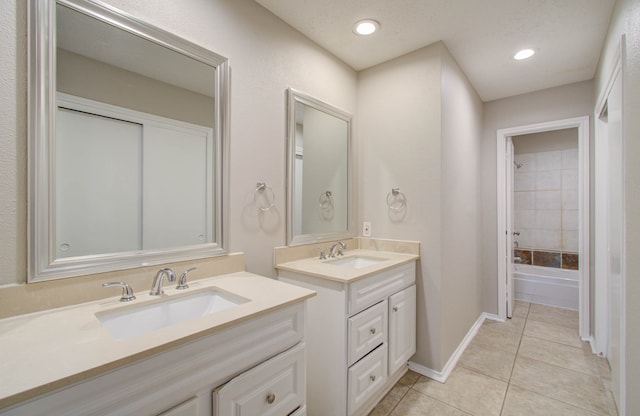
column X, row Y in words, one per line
column 127, row 143
column 319, row 171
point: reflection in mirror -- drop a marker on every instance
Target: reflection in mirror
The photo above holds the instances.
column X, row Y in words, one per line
column 126, row 128
column 319, row 171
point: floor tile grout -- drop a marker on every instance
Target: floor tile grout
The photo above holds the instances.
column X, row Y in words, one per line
column 509, row 384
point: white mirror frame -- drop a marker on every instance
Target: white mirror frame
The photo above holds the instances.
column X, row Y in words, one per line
column 41, row 140
column 295, row 97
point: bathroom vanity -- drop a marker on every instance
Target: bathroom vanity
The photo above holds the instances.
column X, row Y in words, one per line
column 361, row 327
column 247, row 359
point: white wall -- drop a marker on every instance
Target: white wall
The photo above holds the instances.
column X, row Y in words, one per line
column 626, row 20
column 558, row 103
column 266, row 56
column 419, row 129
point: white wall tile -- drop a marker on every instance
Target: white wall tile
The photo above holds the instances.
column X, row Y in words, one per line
column 527, row 162
column 525, row 219
column 548, row 240
column 549, row 180
column 549, row 160
column 526, row 239
column 570, row 159
column 570, row 179
column 523, row 200
column 570, row 219
column 569, row 199
column 548, row 220
column 524, row 181
column 570, row 240
column 548, row 200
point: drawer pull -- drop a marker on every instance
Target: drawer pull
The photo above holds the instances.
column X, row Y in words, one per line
column 372, row 377
column 372, row 330
column 395, row 309
column 271, row 398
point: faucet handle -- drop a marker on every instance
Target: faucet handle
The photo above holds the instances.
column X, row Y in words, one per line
column 323, row 256
column 127, row 292
column 182, row 282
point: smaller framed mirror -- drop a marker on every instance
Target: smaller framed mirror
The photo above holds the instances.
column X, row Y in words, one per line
column 319, row 171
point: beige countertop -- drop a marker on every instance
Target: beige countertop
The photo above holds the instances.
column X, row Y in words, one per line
column 327, row 269
column 43, row 351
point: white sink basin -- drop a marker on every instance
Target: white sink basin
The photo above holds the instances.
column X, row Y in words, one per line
column 135, row 320
column 356, row 262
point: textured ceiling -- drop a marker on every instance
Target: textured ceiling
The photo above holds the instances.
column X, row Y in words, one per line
column 482, row 35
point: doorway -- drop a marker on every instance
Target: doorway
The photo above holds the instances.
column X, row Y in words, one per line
column 505, row 227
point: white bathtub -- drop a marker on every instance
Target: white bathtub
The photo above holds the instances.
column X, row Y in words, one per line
column 546, row 285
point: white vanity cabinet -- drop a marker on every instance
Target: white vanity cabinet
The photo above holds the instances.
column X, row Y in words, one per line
column 360, row 335
column 260, row 359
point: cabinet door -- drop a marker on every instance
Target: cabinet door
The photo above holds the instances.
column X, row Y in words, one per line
column 273, row 388
column 402, row 328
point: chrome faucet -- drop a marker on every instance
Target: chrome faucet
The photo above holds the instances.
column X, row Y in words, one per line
column 156, row 288
column 127, row 292
column 339, row 246
column 182, row 282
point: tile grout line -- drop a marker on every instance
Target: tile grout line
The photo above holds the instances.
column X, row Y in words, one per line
column 442, row 401
column 506, row 391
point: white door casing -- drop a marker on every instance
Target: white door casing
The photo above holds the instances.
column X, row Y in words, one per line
column 508, row 254
column 582, row 124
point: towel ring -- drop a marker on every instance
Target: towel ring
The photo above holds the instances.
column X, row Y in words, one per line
column 396, row 201
column 260, row 188
column 326, row 200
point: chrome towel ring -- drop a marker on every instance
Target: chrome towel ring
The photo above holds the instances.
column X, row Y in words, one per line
column 261, row 189
column 396, row 200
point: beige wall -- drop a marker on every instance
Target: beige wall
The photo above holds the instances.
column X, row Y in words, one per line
column 558, row 103
column 419, row 129
column 266, row 55
column 546, row 141
column 461, row 209
column 95, row 80
column 626, row 20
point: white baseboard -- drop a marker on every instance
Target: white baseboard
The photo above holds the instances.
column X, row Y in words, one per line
column 441, row 376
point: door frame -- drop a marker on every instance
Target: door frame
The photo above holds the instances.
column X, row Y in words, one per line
column 582, row 124
column 601, row 334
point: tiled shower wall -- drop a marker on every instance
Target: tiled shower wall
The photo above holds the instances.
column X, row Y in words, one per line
column 546, row 200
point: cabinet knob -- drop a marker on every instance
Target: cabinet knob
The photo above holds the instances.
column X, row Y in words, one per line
column 395, row 309
column 271, row 398
column 372, row 377
column 372, row 330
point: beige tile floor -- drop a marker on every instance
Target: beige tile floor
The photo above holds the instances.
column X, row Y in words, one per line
column 534, row 364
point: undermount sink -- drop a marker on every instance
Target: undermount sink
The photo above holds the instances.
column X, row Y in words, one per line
column 135, row 320
column 356, row 262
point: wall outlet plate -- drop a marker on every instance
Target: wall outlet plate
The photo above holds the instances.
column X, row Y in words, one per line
column 366, row 229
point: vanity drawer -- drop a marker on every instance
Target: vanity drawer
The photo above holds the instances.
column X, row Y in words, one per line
column 366, row 377
column 367, row 330
column 367, row 291
column 273, row 388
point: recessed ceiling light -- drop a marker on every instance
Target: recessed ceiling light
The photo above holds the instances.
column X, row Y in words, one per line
column 524, row 54
column 365, row 27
